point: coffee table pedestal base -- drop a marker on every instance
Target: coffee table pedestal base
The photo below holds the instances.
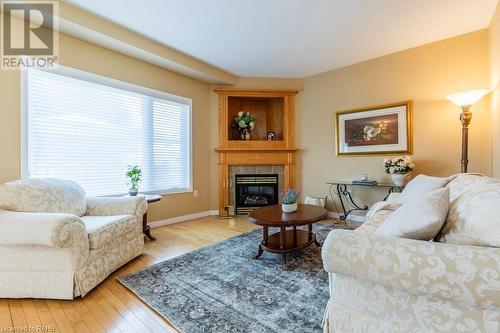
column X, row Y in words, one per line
column 286, row 241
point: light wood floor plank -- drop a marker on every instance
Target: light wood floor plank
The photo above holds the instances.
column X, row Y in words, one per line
column 17, row 312
column 30, row 313
column 60, row 318
column 104, row 321
column 44, row 313
column 5, row 319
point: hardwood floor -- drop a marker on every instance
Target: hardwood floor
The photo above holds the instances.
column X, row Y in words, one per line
column 110, row 307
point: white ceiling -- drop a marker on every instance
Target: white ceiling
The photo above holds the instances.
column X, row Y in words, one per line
column 293, row 38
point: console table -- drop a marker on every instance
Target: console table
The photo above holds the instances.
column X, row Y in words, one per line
column 343, row 191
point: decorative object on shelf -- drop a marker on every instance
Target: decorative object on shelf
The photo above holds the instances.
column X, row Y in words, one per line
column 399, row 168
column 465, row 99
column 374, row 130
column 244, row 122
column 289, row 202
column 134, row 173
column 271, row 136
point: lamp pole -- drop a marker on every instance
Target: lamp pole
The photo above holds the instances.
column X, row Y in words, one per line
column 465, row 99
column 465, row 118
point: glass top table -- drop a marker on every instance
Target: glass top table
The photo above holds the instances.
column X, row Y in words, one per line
column 346, row 182
column 343, row 191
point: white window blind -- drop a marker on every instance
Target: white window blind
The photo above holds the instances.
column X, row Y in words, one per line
column 90, row 132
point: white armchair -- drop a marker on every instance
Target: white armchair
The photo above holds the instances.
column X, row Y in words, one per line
column 63, row 244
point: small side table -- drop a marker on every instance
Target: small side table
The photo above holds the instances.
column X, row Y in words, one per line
column 146, row 229
column 150, row 198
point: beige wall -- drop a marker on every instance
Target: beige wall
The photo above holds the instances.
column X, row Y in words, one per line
column 495, row 96
column 425, row 75
column 78, row 54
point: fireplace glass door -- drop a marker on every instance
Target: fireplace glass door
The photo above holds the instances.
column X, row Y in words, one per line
column 254, row 191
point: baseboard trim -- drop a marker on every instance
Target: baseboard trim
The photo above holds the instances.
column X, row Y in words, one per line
column 352, row 217
column 182, row 218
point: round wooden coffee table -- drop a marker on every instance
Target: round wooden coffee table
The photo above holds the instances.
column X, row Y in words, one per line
column 286, row 241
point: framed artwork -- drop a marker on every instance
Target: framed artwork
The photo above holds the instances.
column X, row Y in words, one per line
column 382, row 129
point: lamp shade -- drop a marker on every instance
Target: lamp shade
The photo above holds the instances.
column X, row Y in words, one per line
column 468, row 97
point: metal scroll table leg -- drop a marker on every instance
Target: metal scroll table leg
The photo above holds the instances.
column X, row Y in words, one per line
column 392, row 189
column 343, row 191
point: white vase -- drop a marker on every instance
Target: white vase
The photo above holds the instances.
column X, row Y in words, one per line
column 133, row 192
column 400, row 179
column 289, row 208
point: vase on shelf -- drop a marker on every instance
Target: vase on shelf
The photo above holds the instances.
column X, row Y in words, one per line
column 400, row 179
column 133, row 192
column 245, row 134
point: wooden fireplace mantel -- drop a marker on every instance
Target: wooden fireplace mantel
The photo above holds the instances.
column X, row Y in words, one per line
column 274, row 110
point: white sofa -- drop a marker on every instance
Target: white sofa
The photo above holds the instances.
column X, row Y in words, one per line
column 56, row 243
column 388, row 284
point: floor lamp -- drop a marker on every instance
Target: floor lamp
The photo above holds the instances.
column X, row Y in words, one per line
column 465, row 100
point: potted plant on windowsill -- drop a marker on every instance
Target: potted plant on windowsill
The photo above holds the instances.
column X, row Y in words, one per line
column 289, row 202
column 134, row 173
column 399, row 168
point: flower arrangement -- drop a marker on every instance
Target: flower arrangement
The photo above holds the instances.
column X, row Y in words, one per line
column 244, row 122
column 290, row 197
column 398, row 165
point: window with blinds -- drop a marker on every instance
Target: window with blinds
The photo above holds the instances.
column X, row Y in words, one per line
column 88, row 129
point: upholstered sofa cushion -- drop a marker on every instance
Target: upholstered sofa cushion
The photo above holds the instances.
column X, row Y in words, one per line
column 43, row 195
column 103, row 229
column 421, row 185
column 474, row 217
column 420, row 219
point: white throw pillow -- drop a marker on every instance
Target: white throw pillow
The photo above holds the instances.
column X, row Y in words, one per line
column 474, row 217
column 421, row 185
column 420, row 219
column 43, row 195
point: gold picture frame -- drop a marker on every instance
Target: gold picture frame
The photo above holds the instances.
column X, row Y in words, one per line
column 385, row 129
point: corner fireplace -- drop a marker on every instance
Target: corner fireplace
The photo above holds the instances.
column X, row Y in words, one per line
column 255, row 190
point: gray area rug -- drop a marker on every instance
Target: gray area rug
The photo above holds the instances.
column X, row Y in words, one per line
column 220, row 288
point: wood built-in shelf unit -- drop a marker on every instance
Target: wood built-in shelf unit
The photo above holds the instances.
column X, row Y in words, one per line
column 274, row 111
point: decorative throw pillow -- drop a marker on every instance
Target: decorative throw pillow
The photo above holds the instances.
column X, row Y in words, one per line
column 420, row 219
column 420, row 185
column 474, row 217
column 43, row 195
